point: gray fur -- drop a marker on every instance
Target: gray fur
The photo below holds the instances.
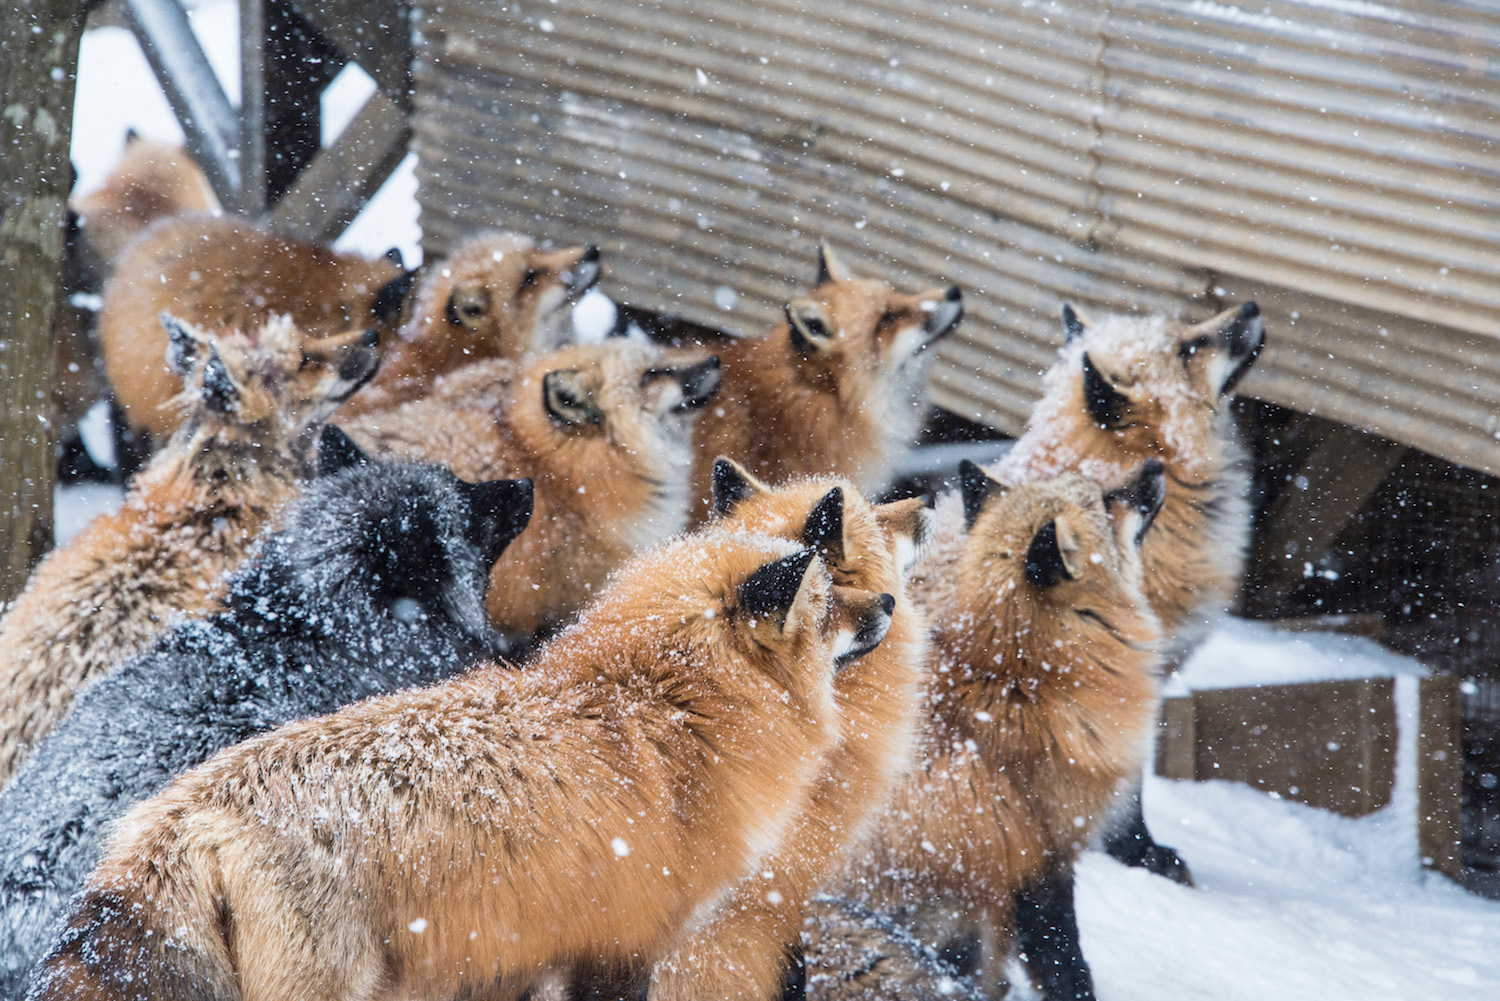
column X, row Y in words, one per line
column 376, row 583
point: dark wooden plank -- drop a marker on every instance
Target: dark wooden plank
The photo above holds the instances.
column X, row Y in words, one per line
column 333, row 189
column 1439, row 775
column 376, row 35
column 1329, row 744
column 1176, row 744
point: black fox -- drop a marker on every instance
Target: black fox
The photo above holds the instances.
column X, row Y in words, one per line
column 376, row 583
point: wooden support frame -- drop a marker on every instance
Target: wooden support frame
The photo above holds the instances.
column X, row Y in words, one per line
column 1334, row 483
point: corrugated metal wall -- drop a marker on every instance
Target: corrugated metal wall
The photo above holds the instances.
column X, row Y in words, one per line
column 1333, row 159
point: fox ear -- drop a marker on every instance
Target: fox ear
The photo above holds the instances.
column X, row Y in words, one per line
column 1073, row 325
column 1045, row 566
column 394, row 256
column 391, row 299
column 976, row 486
column 1106, row 404
column 337, row 451
column 499, row 511
column 468, row 304
column 824, row 531
column 775, row 592
column 220, row 393
column 808, row 327
column 732, row 486
column 830, row 268
column 183, row 343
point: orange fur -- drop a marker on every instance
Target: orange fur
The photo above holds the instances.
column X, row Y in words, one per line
column 152, row 181
column 742, row 952
column 603, row 487
column 1177, row 413
column 462, row 839
column 187, row 519
column 496, row 296
column 1040, row 706
column 844, row 402
column 220, row 273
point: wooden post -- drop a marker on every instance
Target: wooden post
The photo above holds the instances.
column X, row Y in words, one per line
column 1439, row 775
column 38, row 69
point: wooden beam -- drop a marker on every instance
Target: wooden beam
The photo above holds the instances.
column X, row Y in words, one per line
column 1332, row 486
column 376, row 35
column 1440, row 776
column 330, row 192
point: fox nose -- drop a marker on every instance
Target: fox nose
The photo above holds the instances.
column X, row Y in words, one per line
column 699, row 383
column 944, row 315
column 362, row 359
column 1243, row 339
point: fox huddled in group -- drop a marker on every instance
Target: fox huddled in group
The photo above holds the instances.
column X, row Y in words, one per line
column 496, row 295
column 218, row 273
column 1042, row 697
column 252, row 410
column 603, row 431
column 152, row 181
column 464, row 839
column 375, row 583
column 748, row 947
column 834, row 389
column 1125, row 389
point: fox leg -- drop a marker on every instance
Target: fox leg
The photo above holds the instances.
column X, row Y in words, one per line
column 1129, row 841
column 1047, row 937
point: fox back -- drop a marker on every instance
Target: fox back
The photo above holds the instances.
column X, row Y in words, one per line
column 376, row 583
column 252, row 409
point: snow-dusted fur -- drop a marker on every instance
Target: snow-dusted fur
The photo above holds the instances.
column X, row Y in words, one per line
column 376, row 583
column 855, row 954
column 460, row 840
column 220, row 272
column 835, row 389
column 743, row 951
column 1174, row 382
column 497, row 295
column 252, row 410
column 604, row 431
column 1042, row 696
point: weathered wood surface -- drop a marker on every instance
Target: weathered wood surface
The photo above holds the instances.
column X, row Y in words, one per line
column 1333, row 162
column 38, row 67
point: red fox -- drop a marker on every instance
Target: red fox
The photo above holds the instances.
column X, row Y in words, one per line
column 1043, row 690
column 602, row 431
column 251, row 411
column 743, row 951
column 223, row 273
column 460, row 840
column 835, row 389
column 496, row 296
column 152, row 181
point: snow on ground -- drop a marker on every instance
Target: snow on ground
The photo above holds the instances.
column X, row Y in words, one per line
column 1292, row 903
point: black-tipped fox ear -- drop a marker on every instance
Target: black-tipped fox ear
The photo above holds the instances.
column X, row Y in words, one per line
column 1044, row 559
column 391, row 299
column 220, row 393
column 1105, row 403
column 131, row 136
column 732, row 486
column 337, row 451
column 771, row 591
column 183, row 343
column 830, row 268
column 499, row 511
column 824, row 531
column 1073, row 325
column 976, row 486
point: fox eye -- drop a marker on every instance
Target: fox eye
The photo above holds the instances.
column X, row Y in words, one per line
column 1192, row 347
column 886, row 319
column 530, row 278
column 566, row 402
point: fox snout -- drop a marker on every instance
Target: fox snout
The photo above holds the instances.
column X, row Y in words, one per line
column 867, row 620
column 699, row 383
column 943, row 315
column 583, row 274
column 1243, row 339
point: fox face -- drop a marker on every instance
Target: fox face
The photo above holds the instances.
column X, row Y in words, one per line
column 1063, row 543
column 497, row 295
column 278, row 385
column 861, row 336
column 1139, row 386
